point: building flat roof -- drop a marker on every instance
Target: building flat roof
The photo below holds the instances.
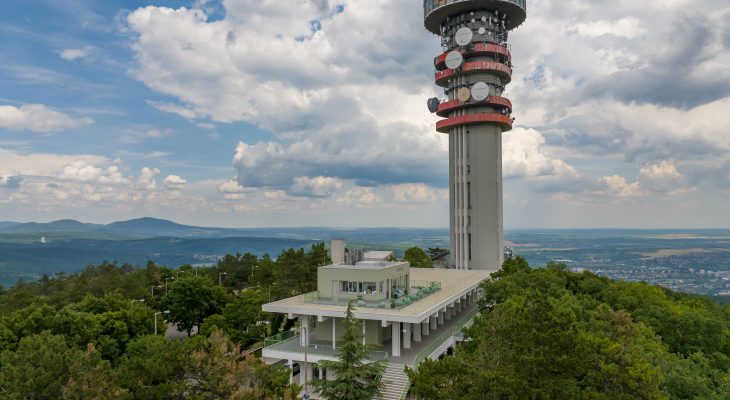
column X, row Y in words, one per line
column 378, row 255
column 366, row 265
column 454, row 285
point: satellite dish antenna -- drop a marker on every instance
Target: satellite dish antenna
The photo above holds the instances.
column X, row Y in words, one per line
column 480, row 91
column 454, row 60
column 463, row 36
column 482, row 30
column 473, row 20
column 463, row 94
column 484, row 19
column 433, row 104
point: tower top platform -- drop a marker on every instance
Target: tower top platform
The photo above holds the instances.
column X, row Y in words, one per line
column 436, row 11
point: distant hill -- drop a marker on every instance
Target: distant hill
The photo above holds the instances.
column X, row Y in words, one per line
column 160, row 227
column 31, row 260
column 64, row 225
column 7, row 224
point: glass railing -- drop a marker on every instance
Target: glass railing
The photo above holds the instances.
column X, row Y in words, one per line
column 293, row 345
column 430, row 5
column 419, row 290
column 278, row 338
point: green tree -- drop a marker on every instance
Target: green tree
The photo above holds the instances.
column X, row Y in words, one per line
column 91, row 377
column 355, row 377
column 190, row 300
column 38, row 369
column 418, row 258
column 154, row 368
column 217, row 370
column 437, row 253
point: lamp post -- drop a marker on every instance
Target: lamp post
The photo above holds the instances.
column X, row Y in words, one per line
column 171, row 278
column 306, row 364
column 159, row 312
column 220, row 278
column 152, row 289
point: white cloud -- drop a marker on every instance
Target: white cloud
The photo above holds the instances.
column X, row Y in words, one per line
column 146, row 179
column 523, row 155
column 319, row 186
column 628, row 27
column 38, row 118
column 82, row 171
column 174, row 182
column 662, row 176
column 417, row 192
column 76, row 54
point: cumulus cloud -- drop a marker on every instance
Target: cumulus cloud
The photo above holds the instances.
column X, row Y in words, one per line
column 174, row 182
column 82, row 171
column 417, row 192
column 146, row 178
column 38, row 118
column 523, row 156
column 319, row 186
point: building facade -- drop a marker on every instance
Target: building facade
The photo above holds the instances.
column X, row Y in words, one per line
column 474, row 69
column 409, row 314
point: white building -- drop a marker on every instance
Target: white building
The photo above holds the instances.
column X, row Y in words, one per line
column 410, row 313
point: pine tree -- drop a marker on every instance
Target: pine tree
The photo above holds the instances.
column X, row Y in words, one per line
column 355, row 377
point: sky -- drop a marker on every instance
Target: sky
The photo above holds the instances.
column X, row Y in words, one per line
column 263, row 113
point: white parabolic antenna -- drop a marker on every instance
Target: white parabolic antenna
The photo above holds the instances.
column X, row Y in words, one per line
column 482, row 30
column 480, row 91
column 454, row 60
column 463, row 36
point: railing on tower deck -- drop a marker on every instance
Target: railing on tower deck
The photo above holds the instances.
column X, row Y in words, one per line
column 418, row 291
column 466, row 321
column 289, row 342
column 278, row 338
column 430, row 5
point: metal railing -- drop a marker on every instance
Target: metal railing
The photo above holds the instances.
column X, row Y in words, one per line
column 465, row 321
column 430, row 5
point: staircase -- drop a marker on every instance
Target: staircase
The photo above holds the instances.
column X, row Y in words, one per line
column 396, row 382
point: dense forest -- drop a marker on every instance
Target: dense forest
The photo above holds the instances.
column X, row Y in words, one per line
column 543, row 333
column 91, row 335
column 548, row 333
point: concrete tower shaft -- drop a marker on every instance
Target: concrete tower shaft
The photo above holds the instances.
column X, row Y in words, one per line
column 474, row 69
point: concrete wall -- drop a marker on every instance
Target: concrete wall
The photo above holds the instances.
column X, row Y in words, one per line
column 325, row 277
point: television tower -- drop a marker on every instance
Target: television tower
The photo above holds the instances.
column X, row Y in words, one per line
column 474, row 69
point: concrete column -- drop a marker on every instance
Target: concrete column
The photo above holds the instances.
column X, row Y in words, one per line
column 395, row 339
column 457, row 306
column 291, row 371
column 363, row 331
column 433, row 321
column 449, row 312
column 417, row 332
column 425, row 326
column 441, row 316
column 406, row 335
column 304, row 323
column 334, row 333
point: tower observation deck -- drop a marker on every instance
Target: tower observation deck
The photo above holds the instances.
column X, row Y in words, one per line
column 474, row 69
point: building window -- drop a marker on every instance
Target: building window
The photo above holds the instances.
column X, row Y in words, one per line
column 370, row 288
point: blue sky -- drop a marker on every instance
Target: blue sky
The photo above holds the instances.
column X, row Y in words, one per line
column 312, row 113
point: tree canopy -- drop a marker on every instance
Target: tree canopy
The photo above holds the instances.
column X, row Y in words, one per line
column 549, row 333
column 418, row 258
